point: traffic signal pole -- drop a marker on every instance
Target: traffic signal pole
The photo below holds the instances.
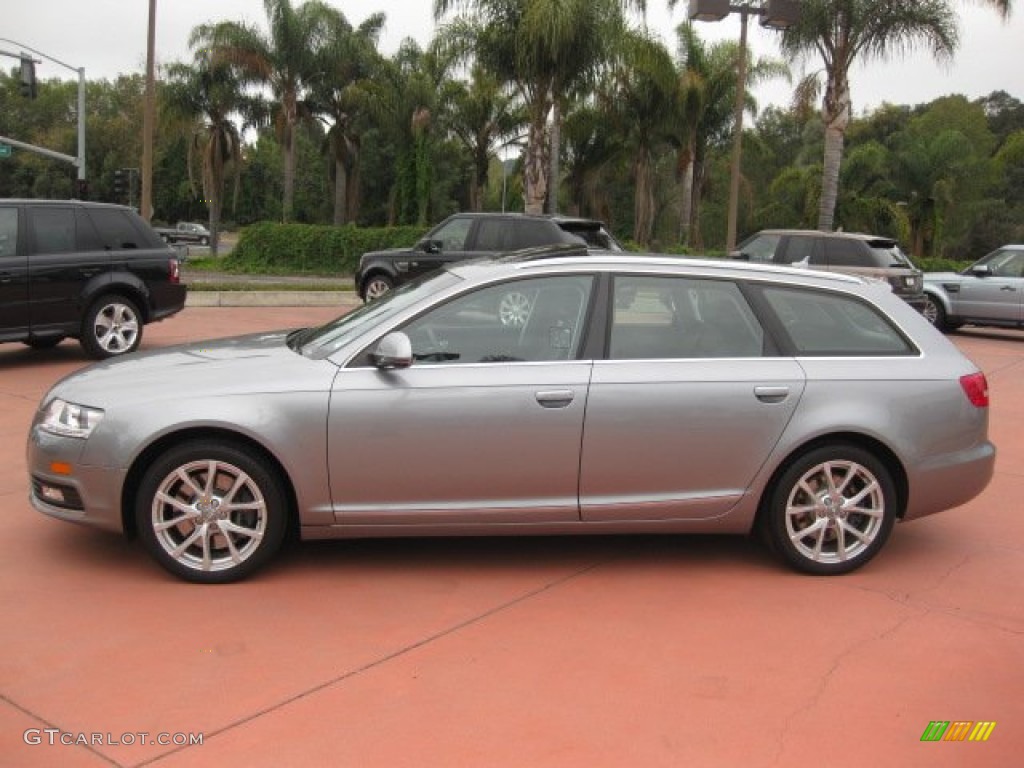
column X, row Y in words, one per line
column 78, row 162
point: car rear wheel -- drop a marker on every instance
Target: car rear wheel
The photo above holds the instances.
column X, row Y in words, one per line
column 112, row 326
column 376, row 287
column 832, row 510
column 935, row 314
column 211, row 512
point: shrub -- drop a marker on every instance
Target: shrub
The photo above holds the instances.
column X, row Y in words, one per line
column 272, row 248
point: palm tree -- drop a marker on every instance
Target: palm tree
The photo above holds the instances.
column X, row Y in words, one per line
column 206, row 96
column 845, row 31
column 542, row 47
column 350, row 62
column 481, row 115
column 286, row 60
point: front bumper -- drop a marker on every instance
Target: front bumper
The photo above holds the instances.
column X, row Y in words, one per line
column 77, row 493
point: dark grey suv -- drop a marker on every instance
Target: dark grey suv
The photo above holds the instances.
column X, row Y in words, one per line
column 470, row 236
column 90, row 271
column 849, row 252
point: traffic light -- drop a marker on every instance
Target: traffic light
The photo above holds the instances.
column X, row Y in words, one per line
column 28, row 77
column 120, row 183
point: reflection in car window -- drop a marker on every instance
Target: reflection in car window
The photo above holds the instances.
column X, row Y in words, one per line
column 1005, row 263
column 53, row 229
column 453, row 234
column 761, row 248
column 674, row 317
column 531, row 320
column 320, row 342
column 826, row 324
column 8, row 231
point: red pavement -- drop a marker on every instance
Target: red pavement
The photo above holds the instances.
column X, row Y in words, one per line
column 643, row 651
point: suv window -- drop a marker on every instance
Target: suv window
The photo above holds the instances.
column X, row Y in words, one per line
column 826, row 324
column 453, row 234
column 53, row 229
column 116, row 230
column 800, row 249
column 8, row 231
column 492, row 235
column 846, row 253
column 761, row 247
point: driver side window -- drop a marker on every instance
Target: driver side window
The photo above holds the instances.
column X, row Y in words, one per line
column 453, row 234
column 531, row 320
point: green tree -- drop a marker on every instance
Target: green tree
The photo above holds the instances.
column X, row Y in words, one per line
column 842, row 32
column 286, row 60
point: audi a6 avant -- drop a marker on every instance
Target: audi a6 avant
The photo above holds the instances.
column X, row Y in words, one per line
column 640, row 394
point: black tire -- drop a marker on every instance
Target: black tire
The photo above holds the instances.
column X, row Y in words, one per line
column 112, row 326
column 47, row 342
column 224, row 543
column 935, row 314
column 845, row 522
column 376, row 286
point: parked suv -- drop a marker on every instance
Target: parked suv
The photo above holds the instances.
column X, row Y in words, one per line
column 473, row 235
column 853, row 253
column 89, row 271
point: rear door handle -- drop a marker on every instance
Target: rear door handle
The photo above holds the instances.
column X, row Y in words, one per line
column 555, row 398
column 771, row 394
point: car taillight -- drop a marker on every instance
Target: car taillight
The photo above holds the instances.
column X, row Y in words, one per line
column 174, row 270
column 975, row 386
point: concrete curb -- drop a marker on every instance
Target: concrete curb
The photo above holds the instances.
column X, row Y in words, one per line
column 341, row 299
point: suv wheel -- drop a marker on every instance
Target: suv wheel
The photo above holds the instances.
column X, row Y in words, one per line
column 934, row 313
column 112, row 326
column 376, row 287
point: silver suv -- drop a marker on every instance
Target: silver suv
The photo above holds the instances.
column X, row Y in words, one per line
column 853, row 253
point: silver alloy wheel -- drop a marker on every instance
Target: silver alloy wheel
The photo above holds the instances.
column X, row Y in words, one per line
column 209, row 515
column 116, row 328
column 930, row 310
column 377, row 287
column 514, row 309
column 835, row 511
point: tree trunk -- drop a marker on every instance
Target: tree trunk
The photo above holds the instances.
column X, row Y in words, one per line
column 340, row 192
column 684, row 171
column 289, row 174
column 535, row 170
column 555, row 152
column 643, row 198
column 835, row 112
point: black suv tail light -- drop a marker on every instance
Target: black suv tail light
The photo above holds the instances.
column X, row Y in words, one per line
column 174, row 270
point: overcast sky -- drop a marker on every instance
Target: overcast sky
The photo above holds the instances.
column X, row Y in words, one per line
column 108, row 37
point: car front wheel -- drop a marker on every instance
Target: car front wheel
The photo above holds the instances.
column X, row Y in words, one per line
column 934, row 313
column 211, row 512
column 376, row 287
column 832, row 510
column 112, row 326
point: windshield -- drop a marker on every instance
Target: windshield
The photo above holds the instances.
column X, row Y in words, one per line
column 318, row 343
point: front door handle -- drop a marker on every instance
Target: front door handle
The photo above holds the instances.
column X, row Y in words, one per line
column 1008, row 288
column 555, row 398
column 771, row 394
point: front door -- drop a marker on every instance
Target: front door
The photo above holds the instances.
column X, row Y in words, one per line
column 484, row 428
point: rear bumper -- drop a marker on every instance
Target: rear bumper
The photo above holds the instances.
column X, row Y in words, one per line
column 951, row 480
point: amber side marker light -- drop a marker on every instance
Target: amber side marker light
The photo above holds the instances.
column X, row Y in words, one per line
column 60, row 468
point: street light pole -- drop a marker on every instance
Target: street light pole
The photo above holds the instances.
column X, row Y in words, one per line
column 775, row 14
column 148, row 109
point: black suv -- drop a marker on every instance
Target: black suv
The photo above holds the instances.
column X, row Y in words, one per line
column 470, row 236
column 90, row 271
column 849, row 252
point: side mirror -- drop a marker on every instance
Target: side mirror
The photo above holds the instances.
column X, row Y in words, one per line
column 392, row 352
column 739, row 256
column 431, row 246
column 981, row 270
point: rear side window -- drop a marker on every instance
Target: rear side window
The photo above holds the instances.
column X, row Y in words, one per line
column 531, row 234
column 116, row 229
column 8, row 231
column 799, row 249
column 826, row 324
column 659, row 318
column 53, row 229
column 847, row 253
column 492, row 235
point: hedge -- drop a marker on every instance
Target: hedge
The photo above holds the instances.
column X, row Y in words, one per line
column 271, row 248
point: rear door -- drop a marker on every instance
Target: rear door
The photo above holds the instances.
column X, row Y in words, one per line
column 14, row 317
column 688, row 405
column 65, row 254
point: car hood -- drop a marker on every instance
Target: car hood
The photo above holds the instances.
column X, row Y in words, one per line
column 252, row 364
column 935, row 277
column 387, row 252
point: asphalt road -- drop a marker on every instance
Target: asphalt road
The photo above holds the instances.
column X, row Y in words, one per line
column 621, row 652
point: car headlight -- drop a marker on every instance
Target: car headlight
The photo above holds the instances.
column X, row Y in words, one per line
column 69, row 419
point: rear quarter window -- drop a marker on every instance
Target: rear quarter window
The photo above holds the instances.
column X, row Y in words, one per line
column 826, row 324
